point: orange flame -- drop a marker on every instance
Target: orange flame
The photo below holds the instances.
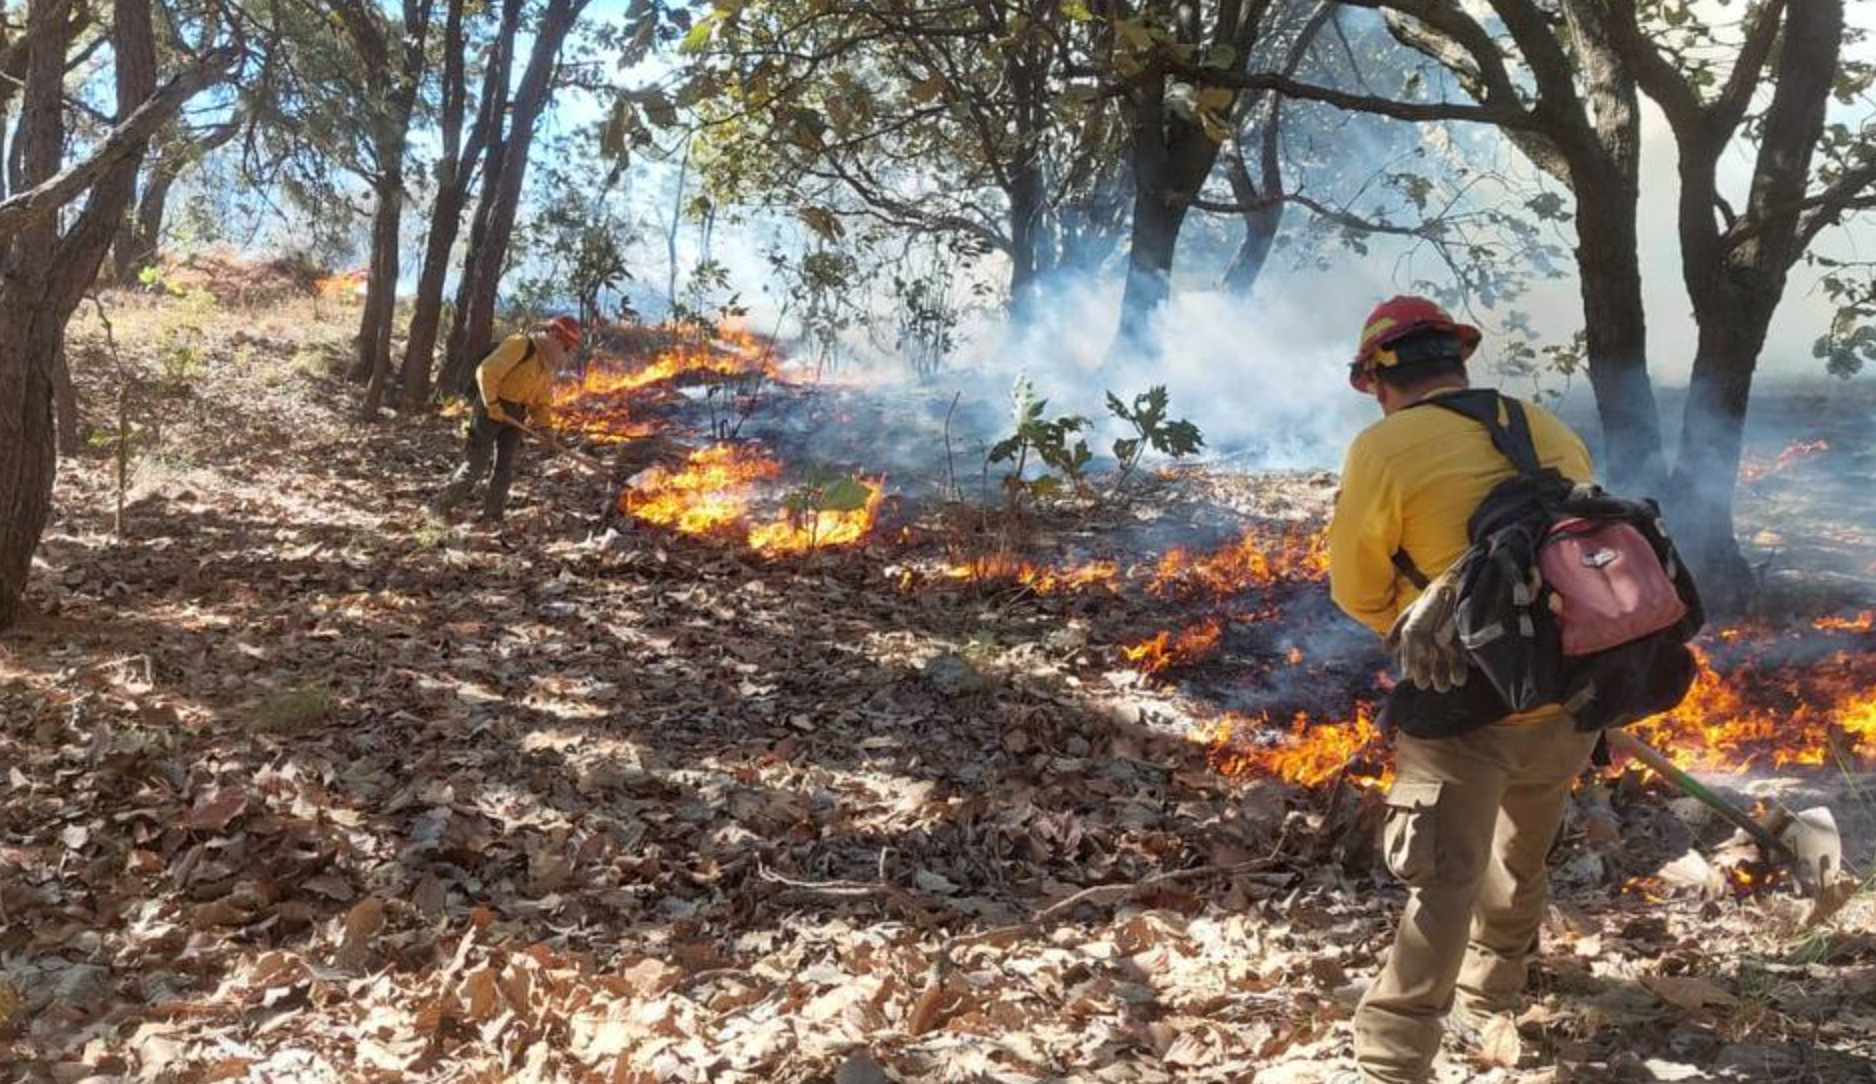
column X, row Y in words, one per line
column 1260, row 558
column 715, row 489
column 600, row 405
column 1000, row 568
column 1757, row 470
column 1744, row 719
column 709, row 493
column 1310, row 753
column 1167, row 651
column 819, row 529
column 1862, row 622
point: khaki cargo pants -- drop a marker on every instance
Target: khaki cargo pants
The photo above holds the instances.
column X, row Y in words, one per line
column 1471, row 821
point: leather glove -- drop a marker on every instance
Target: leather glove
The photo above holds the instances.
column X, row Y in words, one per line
column 1425, row 638
column 497, row 414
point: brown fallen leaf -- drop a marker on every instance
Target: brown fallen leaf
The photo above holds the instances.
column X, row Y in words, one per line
column 1687, row 992
column 361, row 926
column 215, row 808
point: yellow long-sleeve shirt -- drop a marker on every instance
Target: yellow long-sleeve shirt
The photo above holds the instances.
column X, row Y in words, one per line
column 1410, row 482
column 514, row 374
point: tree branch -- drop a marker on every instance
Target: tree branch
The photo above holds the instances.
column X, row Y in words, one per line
column 46, row 198
column 1498, row 115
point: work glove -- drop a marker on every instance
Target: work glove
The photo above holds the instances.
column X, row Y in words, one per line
column 497, row 414
column 1425, row 638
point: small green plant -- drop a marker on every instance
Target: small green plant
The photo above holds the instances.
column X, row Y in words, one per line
column 1054, row 442
column 1177, row 438
column 821, row 495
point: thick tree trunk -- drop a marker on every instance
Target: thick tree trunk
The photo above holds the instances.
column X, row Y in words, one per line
column 457, row 362
column 45, row 275
column 1157, row 219
column 487, row 263
column 1028, row 211
column 1615, row 329
column 426, row 317
column 1700, row 507
column 374, row 335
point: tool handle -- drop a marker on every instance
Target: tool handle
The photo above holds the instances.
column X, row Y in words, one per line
column 1694, row 788
column 581, row 458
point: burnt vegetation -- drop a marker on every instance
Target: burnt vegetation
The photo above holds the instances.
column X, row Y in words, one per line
column 909, row 655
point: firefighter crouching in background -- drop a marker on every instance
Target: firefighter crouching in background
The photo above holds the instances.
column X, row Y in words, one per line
column 1471, row 817
column 514, row 381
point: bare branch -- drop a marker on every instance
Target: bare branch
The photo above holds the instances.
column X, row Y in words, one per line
column 25, row 208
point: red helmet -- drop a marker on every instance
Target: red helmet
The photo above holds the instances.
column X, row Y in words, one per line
column 566, row 329
column 1395, row 319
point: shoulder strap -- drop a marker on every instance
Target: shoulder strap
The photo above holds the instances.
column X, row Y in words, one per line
column 1512, row 437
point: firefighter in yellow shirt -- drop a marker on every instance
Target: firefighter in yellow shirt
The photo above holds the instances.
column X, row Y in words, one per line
column 514, row 381
column 1471, row 817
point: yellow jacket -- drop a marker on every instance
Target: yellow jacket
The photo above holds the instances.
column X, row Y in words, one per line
column 1411, row 481
column 510, row 373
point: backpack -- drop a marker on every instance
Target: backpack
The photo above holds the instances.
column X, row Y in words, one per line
column 1567, row 595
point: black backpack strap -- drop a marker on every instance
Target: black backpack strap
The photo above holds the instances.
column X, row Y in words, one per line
column 1405, row 565
column 1512, row 437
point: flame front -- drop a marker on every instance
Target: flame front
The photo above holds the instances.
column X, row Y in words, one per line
column 1757, row 715
column 1309, row 753
column 819, row 529
column 1259, row 558
column 715, row 491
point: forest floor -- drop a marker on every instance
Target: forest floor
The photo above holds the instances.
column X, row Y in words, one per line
column 296, row 785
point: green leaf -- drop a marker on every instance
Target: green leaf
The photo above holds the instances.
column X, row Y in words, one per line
column 847, row 494
column 700, row 34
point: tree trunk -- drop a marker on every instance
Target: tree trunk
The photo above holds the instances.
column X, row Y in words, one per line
column 1616, row 340
column 455, row 173
column 487, row 263
column 140, row 241
column 1172, row 156
column 64, row 402
column 1262, row 214
column 45, row 276
column 457, row 362
column 374, row 334
column 1700, row 510
column 426, row 317
column 1157, row 218
column 1028, row 207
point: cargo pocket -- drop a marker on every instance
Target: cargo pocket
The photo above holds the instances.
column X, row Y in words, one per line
column 1410, row 842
